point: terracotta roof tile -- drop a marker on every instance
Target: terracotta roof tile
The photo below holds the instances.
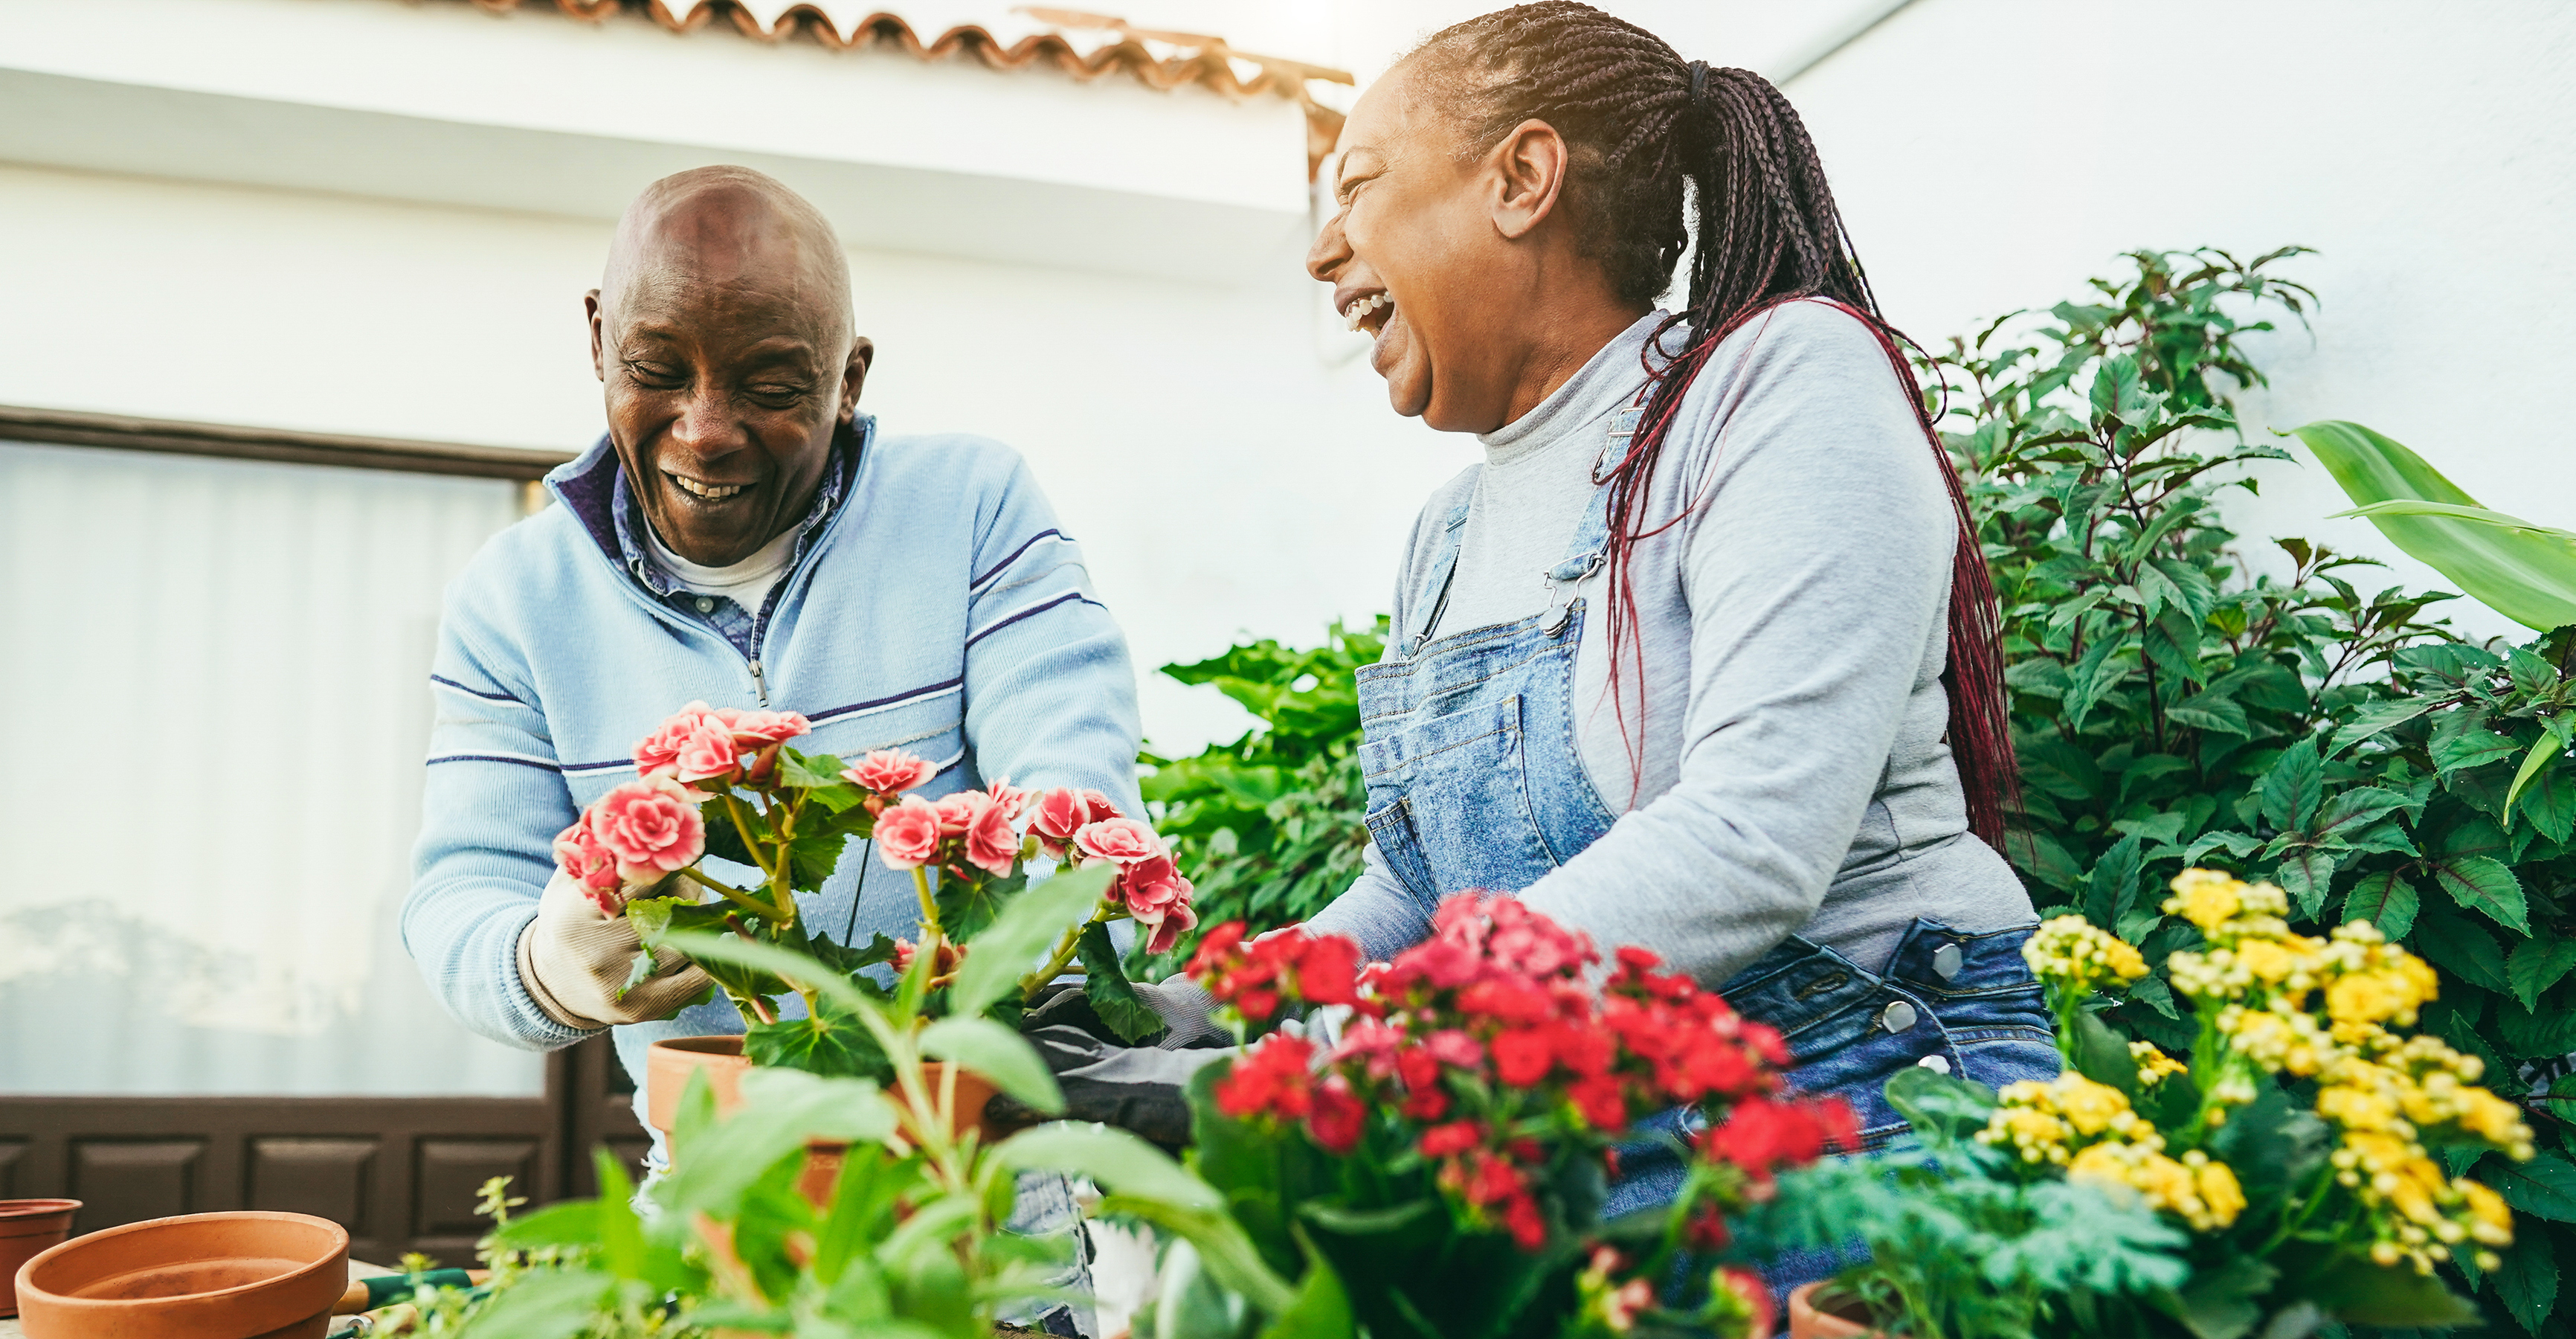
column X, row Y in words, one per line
column 1081, row 44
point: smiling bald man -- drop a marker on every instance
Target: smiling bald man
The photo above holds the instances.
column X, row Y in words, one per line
column 744, row 537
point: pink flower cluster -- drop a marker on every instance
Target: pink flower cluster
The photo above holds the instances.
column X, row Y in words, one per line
column 1491, row 1024
column 720, row 744
column 636, row 833
column 970, row 827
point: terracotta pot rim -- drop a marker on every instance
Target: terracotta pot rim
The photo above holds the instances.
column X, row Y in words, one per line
column 35, row 1218
column 719, row 1044
column 30, row 1208
column 334, row 1259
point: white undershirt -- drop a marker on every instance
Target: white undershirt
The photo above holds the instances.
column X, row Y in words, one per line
column 746, row 583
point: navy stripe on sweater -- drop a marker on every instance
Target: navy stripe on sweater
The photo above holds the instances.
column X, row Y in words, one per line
column 476, row 692
column 996, row 569
column 1033, row 610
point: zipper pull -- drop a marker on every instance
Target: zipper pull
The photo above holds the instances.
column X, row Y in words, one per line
column 759, row 685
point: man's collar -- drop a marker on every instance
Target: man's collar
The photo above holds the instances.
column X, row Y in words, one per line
column 593, row 488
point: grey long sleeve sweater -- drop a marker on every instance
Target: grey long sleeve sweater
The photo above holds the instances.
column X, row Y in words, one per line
column 1785, row 739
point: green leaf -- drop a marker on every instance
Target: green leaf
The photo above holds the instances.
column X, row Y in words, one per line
column 832, row 1043
column 1321, row 1309
column 997, row 1053
column 2114, row 885
column 2092, row 677
column 1366, row 1222
column 2296, row 783
column 2384, row 899
column 2100, row 1054
column 2378, row 720
column 2532, row 762
column 2355, row 809
column 1027, row 927
column 1113, row 997
column 2306, row 872
column 2527, row 1282
column 2537, row 964
column 544, row 1304
column 2524, row 572
column 1123, row 1163
column 2544, row 1187
column 2483, row 884
column 2221, row 1301
column 1223, row 1249
column 2535, row 1034
column 2365, row 1294
column 2470, row 744
column 2463, row 949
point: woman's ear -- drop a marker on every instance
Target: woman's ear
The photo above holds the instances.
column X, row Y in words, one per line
column 1528, row 173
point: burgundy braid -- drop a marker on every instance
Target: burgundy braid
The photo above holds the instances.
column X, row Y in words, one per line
column 1644, row 129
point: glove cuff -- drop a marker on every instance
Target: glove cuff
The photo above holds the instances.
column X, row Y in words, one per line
column 536, row 986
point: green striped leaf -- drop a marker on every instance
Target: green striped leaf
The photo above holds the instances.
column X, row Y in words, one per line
column 2523, row 571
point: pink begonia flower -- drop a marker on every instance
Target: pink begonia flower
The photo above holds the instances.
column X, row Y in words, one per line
column 908, row 833
column 961, row 811
column 593, row 866
column 660, row 750
column 759, row 729
column 1159, row 899
column 652, row 826
column 1061, row 813
column 709, row 753
column 1123, row 840
column 1011, row 798
column 889, row 771
column 992, row 844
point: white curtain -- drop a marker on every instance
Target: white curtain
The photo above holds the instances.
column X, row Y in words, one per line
column 213, row 710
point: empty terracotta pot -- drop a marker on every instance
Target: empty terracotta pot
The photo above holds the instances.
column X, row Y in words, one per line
column 26, row 1228
column 1807, row 1321
column 243, row 1275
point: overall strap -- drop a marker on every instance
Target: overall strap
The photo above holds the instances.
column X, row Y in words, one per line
column 1589, row 550
column 1444, row 569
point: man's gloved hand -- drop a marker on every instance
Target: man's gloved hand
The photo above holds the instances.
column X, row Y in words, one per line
column 1140, row 1088
column 574, row 957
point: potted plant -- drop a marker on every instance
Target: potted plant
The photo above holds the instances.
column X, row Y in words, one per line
column 724, row 783
column 2289, row 1173
column 1436, row 1166
column 909, row 1239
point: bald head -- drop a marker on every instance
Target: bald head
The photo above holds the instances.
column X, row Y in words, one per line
column 722, row 333
column 726, row 225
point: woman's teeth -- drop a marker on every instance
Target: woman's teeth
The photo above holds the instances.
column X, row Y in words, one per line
column 1364, row 308
column 711, row 492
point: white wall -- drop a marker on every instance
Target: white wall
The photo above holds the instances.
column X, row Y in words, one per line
column 1992, row 154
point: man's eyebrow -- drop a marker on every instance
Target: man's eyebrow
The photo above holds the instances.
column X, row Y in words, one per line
column 1341, row 175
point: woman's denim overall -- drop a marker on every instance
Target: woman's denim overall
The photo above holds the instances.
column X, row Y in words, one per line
column 1475, row 782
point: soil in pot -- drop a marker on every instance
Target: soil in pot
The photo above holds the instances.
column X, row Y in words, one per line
column 1839, row 1317
column 242, row 1275
column 27, row 1228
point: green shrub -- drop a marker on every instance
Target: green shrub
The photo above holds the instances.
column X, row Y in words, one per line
column 2172, row 709
column 1269, row 825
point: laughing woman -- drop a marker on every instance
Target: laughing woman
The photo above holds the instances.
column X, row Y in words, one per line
column 1702, row 657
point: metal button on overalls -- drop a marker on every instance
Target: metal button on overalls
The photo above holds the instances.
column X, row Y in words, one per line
column 1897, row 1017
column 1945, row 961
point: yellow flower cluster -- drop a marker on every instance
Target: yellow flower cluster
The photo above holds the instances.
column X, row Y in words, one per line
column 2089, row 1129
column 2382, row 1093
column 2153, row 1064
column 2072, row 955
column 2226, row 909
column 2197, row 1189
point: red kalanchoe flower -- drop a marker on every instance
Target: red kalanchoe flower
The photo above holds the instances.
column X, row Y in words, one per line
column 1521, row 1218
column 1452, row 1139
column 1271, row 1079
column 1424, row 1097
column 1522, row 1056
column 1602, row 1102
column 1336, row 1117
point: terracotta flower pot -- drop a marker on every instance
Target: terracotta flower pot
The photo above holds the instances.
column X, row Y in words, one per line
column 26, row 1228
column 1808, row 1322
column 668, row 1065
column 244, row 1275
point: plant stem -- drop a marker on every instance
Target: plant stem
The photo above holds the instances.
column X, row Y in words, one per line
column 1065, row 949
column 732, row 894
column 929, row 904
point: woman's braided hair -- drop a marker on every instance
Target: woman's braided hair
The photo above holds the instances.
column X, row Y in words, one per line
column 1645, row 128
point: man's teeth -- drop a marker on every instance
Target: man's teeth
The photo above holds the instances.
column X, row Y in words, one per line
column 711, row 492
column 1361, row 309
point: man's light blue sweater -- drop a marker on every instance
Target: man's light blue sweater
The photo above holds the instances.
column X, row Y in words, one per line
column 934, row 606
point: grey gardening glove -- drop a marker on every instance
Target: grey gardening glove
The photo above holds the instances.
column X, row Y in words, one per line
column 1141, row 1088
column 575, row 959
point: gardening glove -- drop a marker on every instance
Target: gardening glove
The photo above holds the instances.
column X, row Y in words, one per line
column 575, row 959
column 1140, row 1088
